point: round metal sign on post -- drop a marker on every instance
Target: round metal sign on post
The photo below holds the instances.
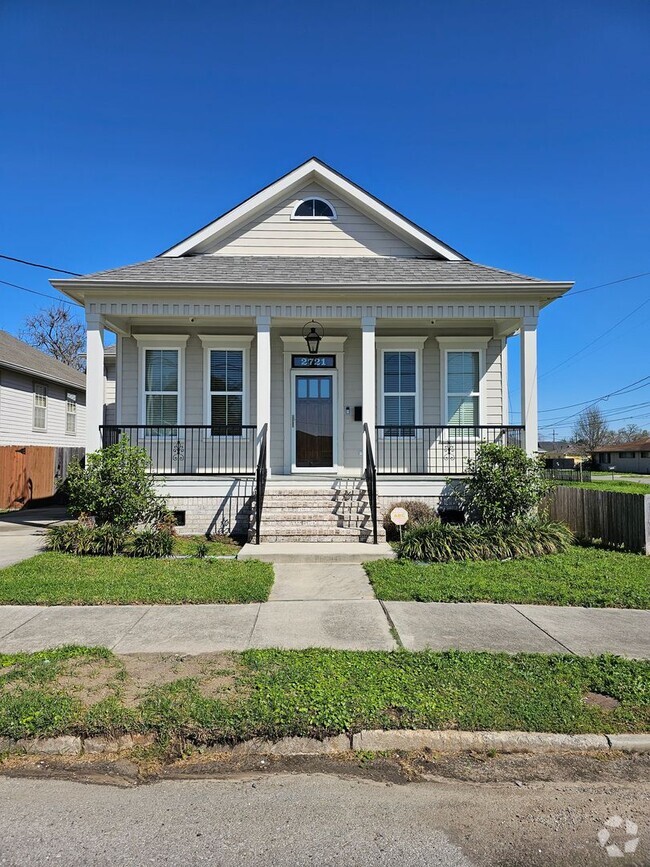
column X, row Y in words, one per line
column 399, row 516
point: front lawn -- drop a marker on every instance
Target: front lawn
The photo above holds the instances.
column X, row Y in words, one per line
column 64, row 579
column 219, row 698
column 187, row 546
column 616, row 487
column 591, row 577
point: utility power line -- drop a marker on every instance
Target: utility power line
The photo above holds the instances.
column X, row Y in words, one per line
column 42, row 294
column 572, row 294
column 624, row 389
column 38, row 265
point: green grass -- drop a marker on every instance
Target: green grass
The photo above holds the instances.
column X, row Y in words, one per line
column 324, row 692
column 186, row 546
column 616, row 486
column 63, row 579
column 583, row 576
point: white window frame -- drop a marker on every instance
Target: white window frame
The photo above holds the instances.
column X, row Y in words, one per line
column 229, row 343
column 164, row 342
column 463, row 344
column 43, row 406
column 317, row 219
column 71, row 414
column 399, row 344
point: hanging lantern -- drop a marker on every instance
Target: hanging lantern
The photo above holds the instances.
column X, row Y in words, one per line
column 313, row 333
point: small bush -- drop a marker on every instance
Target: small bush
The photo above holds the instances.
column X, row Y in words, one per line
column 151, row 543
column 115, row 487
column 418, row 512
column 504, row 486
column 442, row 543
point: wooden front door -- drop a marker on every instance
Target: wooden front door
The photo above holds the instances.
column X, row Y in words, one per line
column 314, row 421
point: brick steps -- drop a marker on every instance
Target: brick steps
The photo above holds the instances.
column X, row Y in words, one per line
column 319, row 515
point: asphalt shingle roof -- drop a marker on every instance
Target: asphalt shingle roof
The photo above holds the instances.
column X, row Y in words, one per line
column 641, row 445
column 18, row 355
column 305, row 271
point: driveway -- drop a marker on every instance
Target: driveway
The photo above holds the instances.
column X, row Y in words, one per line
column 21, row 532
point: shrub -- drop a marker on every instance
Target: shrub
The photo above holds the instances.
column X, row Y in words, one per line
column 441, row 543
column 419, row 513
column 505, row 485
column 114, row 487
column 151, row 543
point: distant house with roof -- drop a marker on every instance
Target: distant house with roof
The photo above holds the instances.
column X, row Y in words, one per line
column 630, row 457
column 561, row 455
column 42, row 421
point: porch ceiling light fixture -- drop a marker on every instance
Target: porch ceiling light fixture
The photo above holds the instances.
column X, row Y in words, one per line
column 314, row 336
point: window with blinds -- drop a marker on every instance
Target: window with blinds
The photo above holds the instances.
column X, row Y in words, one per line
column 39, row 418
column 226, row 391
column 463, row 383
column 161, row 386
column 400, row 391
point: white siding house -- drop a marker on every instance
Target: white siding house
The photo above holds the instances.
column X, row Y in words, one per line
column 214, row 377
column 42, row 421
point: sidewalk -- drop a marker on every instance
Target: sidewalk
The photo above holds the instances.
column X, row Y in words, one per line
column 328, row 606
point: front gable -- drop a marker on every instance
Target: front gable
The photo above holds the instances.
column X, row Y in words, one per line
column 277, row 232
column 363, row 226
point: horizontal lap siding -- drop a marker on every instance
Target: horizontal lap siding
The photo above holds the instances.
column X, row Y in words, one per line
column 275, row 233
column 17, row 412
column 493, row 385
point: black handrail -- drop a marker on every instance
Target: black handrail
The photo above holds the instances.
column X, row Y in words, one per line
column 436, row 450
column 370, row 473
column 260, row 482
column 191, row 449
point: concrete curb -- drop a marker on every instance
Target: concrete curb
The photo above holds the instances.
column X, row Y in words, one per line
column 377, row 740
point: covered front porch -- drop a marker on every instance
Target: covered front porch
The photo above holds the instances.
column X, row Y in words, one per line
column 412, row 396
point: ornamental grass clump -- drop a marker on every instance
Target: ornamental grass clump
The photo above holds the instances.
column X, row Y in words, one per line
column 443, row 543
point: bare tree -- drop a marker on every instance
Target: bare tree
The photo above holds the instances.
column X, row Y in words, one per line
column 591, row 429
column 56, row 331
column 630, row 432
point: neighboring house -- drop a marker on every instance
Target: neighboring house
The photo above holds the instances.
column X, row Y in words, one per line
column 632, row 457
column 42, row 421
column 215, row 377
column 561, row 455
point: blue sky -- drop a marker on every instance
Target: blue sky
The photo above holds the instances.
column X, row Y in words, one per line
column 517, row 132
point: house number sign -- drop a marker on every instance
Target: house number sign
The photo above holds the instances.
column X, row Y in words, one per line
column 313, row 361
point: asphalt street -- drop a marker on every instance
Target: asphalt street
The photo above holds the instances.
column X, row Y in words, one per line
column 289, row 820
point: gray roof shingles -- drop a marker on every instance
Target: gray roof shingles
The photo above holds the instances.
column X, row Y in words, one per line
column 305, row 271
column 18, row 355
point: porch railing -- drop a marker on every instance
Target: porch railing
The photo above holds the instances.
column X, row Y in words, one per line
column 260, row 483
column 370, row 473
column 191, row 450
column 432, row 450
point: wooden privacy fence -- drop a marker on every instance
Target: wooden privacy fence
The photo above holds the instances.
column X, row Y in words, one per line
column 31, row 472
column 617, row 519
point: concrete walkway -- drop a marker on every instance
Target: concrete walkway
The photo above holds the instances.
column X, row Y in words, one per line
column 21, row 532
column 349, row 624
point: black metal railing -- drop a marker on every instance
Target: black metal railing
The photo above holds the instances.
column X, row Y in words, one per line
column 370, row 473
column 432, row 450
column 191, row 450
column 568, row 475
column 260, row 482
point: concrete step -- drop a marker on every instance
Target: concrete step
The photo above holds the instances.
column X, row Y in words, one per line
column 305, row 552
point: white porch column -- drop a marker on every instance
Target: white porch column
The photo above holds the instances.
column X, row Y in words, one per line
column 263, row 415
column 94, row 381
column 528, row 336
column 368, row 376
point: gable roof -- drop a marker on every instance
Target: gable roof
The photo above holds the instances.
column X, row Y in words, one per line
column 15, row 354
column 640, row 445
column 314, row 169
